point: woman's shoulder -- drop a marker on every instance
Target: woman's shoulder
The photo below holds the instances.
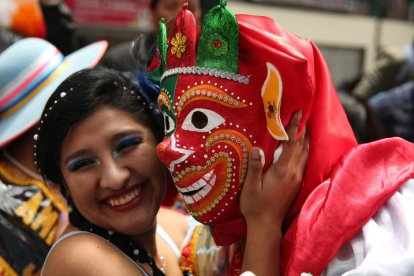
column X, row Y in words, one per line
column 172, row 211
column 175, row 223
column 84, row 253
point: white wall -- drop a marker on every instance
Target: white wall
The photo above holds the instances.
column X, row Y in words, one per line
column 335, row 29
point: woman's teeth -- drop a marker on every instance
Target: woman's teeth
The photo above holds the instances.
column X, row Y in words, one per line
column 124, row 199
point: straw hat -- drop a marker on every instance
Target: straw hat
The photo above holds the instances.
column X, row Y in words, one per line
column 30, row 70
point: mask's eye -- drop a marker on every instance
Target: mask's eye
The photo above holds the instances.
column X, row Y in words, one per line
column 169, row 124
column 202, row 120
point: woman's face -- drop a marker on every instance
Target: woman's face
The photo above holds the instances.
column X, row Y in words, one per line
column 112, row 171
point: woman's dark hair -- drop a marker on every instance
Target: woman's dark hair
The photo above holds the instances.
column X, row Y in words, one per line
column 77, row 98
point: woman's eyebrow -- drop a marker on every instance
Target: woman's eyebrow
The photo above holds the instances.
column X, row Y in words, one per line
column 126, row 133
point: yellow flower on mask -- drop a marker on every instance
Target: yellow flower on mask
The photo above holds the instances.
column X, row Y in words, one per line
column 178, row 43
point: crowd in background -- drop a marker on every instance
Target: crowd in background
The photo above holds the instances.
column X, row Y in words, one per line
column 380, row 102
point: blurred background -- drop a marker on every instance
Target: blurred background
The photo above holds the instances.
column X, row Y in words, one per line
column 348, row 32
column 367, row 44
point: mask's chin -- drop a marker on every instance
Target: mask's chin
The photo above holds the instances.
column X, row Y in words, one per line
column 220, row 215
column 232, row 200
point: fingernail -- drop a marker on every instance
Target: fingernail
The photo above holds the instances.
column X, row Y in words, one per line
column 277, row 153
column 255, row 153
column 262, row 157
column 298, row 115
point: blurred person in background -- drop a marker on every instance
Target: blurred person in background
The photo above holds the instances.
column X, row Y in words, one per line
column 394, row 109
column 363, row 120
column 168, row 9
column 7, row 38
column 393, row 66
column 121, row 57
column 20, row 19
column 47, row 19
column 385, row 94
column 60, row 27
column 31, row 212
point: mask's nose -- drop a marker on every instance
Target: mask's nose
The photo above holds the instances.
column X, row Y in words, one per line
column 171, row 155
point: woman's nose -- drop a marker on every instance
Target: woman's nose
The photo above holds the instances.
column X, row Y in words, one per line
column 114, row 175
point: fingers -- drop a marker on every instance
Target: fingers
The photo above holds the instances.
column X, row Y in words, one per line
column 300, row 144
column 254, row 170
column 291, row 149
column 292, row 129
column 304, row 153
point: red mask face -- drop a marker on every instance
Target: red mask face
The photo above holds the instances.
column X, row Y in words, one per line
column 207, row 149
column 211, row 125
column 231, row 93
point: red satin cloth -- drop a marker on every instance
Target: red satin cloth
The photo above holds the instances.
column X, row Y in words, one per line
column 337, row 209
column 307, row 86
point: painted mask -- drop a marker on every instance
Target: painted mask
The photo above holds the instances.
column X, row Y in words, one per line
column 234, row 85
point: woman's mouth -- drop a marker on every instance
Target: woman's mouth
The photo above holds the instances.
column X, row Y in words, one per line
column 127, row 200
column 124, row 199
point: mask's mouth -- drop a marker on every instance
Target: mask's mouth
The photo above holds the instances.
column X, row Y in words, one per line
column 202, row 188
column 198, row 189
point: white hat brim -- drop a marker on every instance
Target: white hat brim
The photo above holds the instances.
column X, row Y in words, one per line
column 28, row 115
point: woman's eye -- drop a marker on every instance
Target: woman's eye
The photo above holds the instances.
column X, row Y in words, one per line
column 202, row 120
column 80, row 163
column 127, row 143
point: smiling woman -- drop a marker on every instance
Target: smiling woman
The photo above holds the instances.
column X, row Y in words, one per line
column 106, row 166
